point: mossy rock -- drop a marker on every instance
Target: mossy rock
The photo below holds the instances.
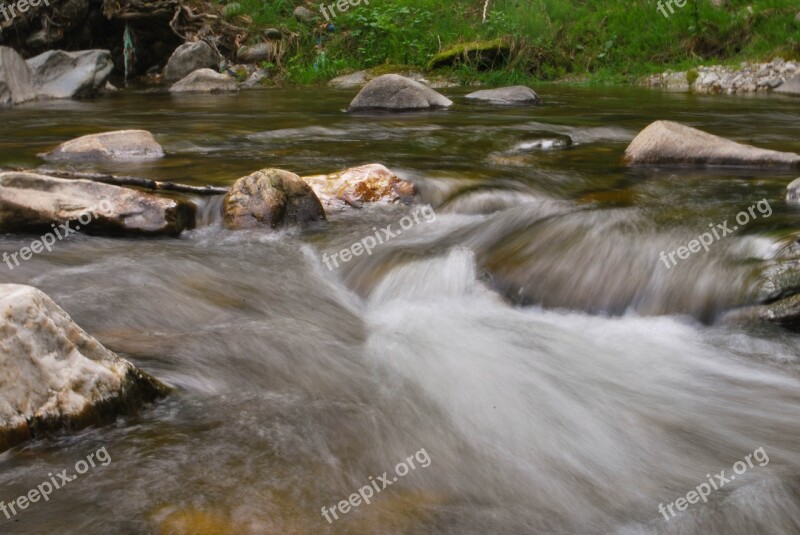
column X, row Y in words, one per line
column 481, row 54
column 391, row 68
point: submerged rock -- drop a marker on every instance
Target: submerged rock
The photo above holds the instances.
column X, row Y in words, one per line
column 59, row 74
column 364, row 184
column 56, row 375
column 518, row 94
column 118, row 145
column 670, row 143
column 393, row 92
column 785, row 313
column 271, row 198
column 16, row 78
column 190, row 57
column 205, row 81
column 30, row 202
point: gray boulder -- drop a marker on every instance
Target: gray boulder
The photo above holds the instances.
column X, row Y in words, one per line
column 518, row 94
column 670, row 143
column 349, row 81
column 256, row 79
column 119, row 145
column 793, row 192
column 31, row 202
column 205, row 81
column 59, row 74
column 190, row 57
column 393, row 92
column 271, row 198
column 256, row 53
column 16, row 78
column 57, row 376
column 304, row 14
column 790, row 87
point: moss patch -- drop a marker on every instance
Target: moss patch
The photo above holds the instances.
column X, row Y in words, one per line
column 480, row 54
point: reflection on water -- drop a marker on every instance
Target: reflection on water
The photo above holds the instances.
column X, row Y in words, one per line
column 530, row 340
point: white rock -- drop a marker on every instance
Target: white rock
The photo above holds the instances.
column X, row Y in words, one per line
column 54, row 374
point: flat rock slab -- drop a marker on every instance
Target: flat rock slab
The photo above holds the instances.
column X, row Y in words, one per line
column 119, row 145
column 55, row 375
column 670, row 143
column 205, row 81
column 30, row 202
column 518, row 94
column 392, row 92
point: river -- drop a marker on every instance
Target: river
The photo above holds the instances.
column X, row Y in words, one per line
column 558, row 376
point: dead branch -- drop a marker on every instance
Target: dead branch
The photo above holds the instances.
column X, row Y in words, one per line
column 122, row 180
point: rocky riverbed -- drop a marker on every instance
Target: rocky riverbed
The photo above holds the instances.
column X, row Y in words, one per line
column 778, row 75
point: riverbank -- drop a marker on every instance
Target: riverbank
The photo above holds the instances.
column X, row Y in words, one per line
column 614, row 43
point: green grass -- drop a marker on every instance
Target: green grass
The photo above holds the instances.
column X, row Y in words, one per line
column 592, row 41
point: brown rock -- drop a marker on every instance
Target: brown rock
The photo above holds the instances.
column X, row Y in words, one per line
column 271, row 198
column 364, row 184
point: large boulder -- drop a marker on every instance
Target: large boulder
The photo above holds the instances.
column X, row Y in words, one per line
column 16, row 78
column 271, row 198
column 373, row 183
column 670, row 143
column 119, row 145
column 393, row 92
column 57, row 376
column 789, row 87
column 190, row 57
column 793, row 192
column 518, row 94
column 31, row 202
column 205, row 81
column 59, row 74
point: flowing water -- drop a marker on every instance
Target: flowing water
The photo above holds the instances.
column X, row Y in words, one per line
column 527, row 336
